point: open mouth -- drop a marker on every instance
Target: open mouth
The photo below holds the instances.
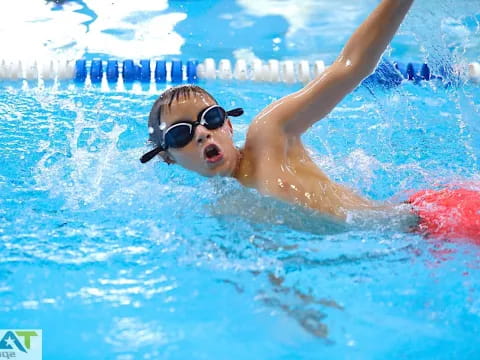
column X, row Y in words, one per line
column 212, row 153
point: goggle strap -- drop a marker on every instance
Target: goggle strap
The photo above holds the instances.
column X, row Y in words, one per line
column 151, row 154
column 235, row 112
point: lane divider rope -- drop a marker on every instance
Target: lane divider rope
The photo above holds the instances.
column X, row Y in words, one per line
column 176, row 71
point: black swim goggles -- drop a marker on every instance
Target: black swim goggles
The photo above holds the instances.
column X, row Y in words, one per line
column 179, row 134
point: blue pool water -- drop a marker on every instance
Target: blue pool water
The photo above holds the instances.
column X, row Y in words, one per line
column 118, row 260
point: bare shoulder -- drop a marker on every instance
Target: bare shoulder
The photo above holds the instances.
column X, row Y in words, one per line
column 264, row 132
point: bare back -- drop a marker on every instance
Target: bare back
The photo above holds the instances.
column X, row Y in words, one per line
column 280, row 166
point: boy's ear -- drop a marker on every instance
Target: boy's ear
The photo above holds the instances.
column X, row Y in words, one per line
column 230, row 127
column 167, row 157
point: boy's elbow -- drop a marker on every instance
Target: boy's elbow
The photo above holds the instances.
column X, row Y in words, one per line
column 360, row 72
column 352, row 68
column 358, row 66
column 353, row 74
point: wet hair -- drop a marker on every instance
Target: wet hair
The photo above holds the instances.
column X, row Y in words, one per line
column 166, row 99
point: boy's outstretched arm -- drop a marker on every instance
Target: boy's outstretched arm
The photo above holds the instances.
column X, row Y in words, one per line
column 295, row 113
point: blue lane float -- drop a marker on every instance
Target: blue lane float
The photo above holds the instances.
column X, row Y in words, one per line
column 177, row 71
column 160, row 71
column 96, row 71
column 80, row 71
column 144, row 71
column 425, row 72
column 388, row 74
column 129, row 71
column 192, row 70
column 112, row 71
column 132, row 72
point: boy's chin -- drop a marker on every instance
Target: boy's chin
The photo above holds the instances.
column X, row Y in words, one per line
column 222, row 168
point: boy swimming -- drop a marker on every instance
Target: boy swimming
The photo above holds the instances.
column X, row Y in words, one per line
column 189, row 128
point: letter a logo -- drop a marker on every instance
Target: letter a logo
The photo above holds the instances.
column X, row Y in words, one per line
column 8, row 340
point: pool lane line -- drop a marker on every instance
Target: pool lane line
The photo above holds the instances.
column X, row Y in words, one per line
column 96, row 71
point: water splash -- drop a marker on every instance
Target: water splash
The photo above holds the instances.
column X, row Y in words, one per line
column 80, row 172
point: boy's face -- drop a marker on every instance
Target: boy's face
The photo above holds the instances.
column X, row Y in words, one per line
column 210, row 152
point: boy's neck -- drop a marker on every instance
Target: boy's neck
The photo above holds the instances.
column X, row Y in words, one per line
column 243, row 169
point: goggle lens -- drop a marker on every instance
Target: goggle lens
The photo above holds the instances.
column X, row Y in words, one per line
column 179, row 136
column 214, row 118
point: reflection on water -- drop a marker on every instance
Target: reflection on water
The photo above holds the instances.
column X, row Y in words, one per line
column 264, row 28
column 118, row 29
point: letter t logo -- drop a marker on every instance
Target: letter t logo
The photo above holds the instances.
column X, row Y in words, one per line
column 26, row 335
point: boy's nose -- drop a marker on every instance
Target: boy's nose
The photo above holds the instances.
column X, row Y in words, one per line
column 202, row 135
